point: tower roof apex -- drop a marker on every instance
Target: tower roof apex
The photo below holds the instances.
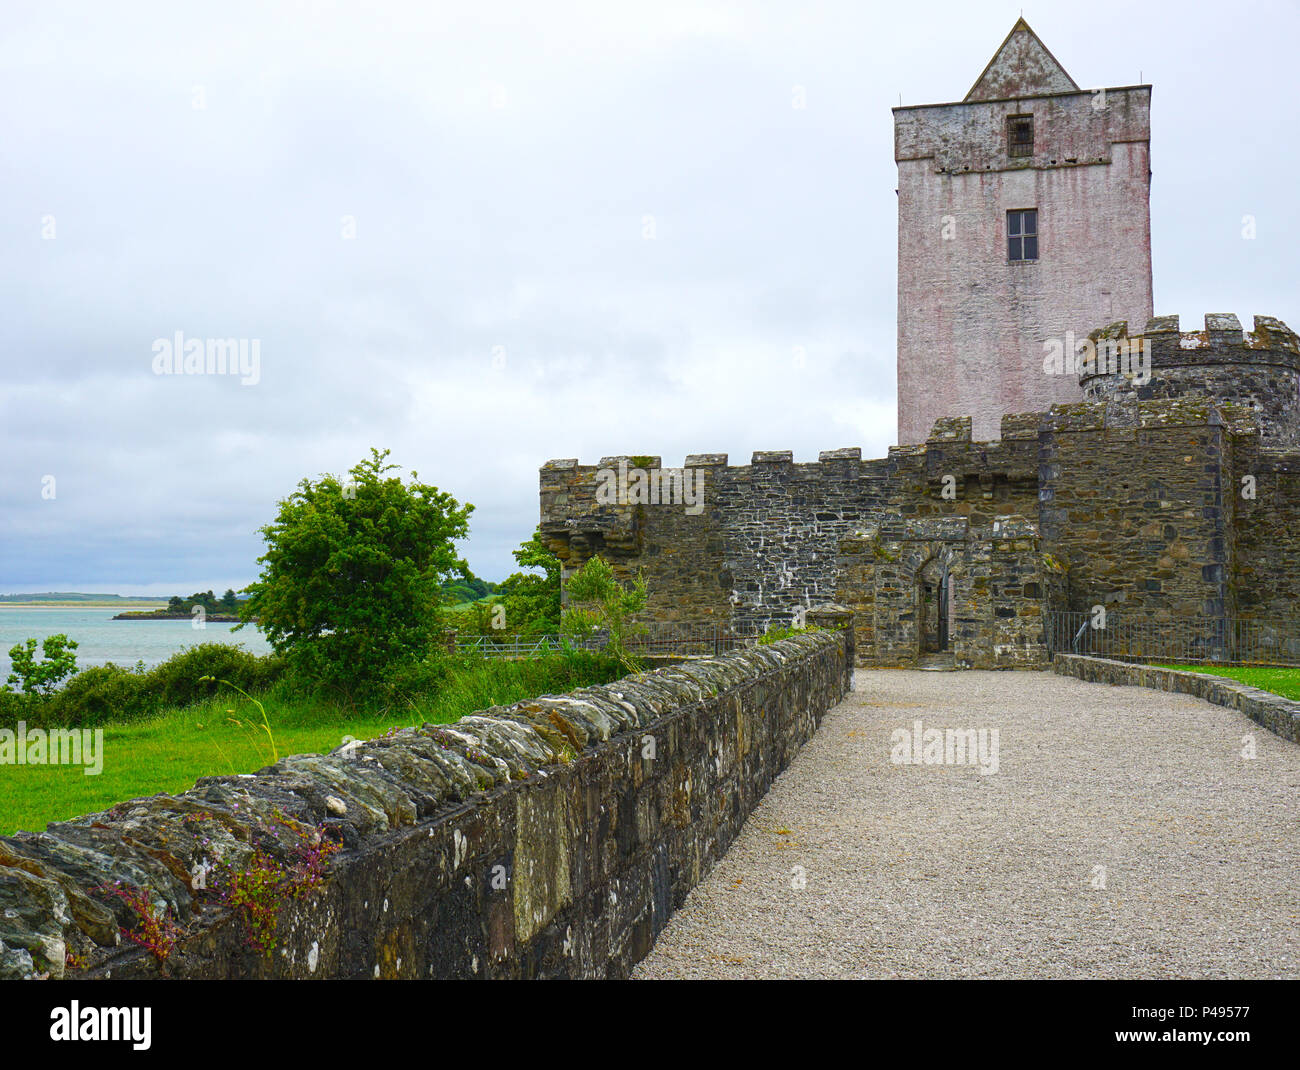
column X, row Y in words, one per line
column 1022, row 66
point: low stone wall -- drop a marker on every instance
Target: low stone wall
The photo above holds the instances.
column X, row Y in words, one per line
column 1277, row 714
column 551, row 838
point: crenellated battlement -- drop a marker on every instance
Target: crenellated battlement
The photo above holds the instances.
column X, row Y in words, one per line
column 1222, row 334
column 1220, row 364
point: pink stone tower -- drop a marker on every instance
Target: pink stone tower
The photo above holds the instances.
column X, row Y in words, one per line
column 1023, row 218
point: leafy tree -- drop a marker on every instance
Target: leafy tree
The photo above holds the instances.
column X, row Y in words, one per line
column 598, row 602
column 471, row 589
column 230, row 600
column 206, row 599
column 350, row 582
column 481, row 619
column 532, row 601
column 41, row 677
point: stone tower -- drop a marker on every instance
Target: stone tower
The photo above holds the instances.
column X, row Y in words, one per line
column 1023, row 221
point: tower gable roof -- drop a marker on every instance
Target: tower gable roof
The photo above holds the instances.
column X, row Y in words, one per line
column 1022, row 67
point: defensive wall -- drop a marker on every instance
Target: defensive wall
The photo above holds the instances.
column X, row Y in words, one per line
column 551, row 838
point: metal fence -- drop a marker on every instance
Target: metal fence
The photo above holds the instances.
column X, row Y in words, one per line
column 1221, row 640
column 661, row 638
column 512, row 647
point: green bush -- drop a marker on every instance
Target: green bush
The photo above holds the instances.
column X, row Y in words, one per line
column 177, row 681
column 414, row 678
column 775, row 633
column 476, row 683
column 598, row 602
column 110, row 692
column 15, row 707
column 441, row 687
column 41, row 677
column 98, row 695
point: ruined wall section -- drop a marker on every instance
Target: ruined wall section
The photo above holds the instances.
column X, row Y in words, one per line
column 680, row 552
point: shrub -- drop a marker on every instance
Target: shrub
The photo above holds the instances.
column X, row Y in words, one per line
column 178, row 681
column 415, row 678
column 97, row 695
column 15, row 707
column 775, row 633
column 41, row 677
column 598, row 602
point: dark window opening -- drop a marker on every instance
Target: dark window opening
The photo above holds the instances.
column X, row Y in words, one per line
column 1020, row 135
column 1022, row 234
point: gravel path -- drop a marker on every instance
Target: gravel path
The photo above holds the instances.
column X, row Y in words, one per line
column 916, row 870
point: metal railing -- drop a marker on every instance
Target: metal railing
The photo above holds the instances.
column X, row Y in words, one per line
column 512, row 647
column 1190, row 640
column 660, row 638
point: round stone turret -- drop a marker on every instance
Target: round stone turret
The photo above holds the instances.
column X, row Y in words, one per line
column 1259, row 370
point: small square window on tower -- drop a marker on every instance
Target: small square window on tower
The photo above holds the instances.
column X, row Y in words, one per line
column 1020, row 135
column 1022, row 234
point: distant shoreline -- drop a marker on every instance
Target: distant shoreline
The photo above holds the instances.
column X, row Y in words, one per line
column 216, row 618
column 77, row 605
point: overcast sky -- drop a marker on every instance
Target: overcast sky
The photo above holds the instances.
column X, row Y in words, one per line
column 486, row 235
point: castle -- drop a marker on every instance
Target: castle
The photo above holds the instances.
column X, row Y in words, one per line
column 1133, row 467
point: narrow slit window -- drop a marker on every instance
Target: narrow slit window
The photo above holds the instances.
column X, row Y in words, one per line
column 1020, row 135
column 1022, row 234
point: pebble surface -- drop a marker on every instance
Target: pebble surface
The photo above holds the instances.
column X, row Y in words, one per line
column 1123, row 835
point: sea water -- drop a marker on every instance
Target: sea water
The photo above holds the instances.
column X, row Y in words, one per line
column 101, row 639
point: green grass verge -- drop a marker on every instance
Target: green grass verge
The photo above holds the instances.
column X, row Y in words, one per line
column 1284, row 681
column 223, row 735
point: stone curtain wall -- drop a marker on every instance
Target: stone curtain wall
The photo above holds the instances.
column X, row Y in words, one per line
column 767, row 544
column 552, row 838
column 1277, row 714
column 781, row 525
column 762, row 550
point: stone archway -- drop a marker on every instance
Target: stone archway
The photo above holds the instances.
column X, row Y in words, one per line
column 908, row 589
column 933, row 585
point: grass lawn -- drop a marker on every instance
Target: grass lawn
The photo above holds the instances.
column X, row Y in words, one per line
column 1281, row 680
column 224, row 735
